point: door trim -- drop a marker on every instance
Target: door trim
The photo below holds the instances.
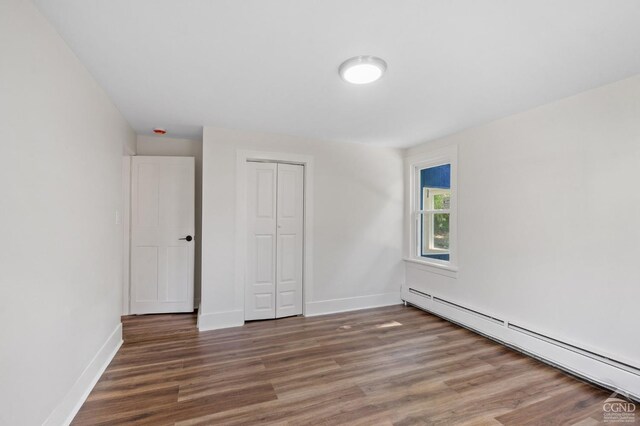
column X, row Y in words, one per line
column 126, row 233
column 242, row 156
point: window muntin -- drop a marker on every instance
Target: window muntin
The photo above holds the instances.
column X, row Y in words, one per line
column 434, row 214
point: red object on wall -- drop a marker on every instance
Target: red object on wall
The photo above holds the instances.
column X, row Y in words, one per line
column 159, row 131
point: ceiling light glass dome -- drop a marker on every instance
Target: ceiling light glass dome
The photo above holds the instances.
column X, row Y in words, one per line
column 362, row 69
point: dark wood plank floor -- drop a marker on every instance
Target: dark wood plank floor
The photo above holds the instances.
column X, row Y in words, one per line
column 394, row 365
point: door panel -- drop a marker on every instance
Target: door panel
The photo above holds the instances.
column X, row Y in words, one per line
column 146, row 273
column 177, row 273
column 264, row 301
column 176, row 203
column 275, row 211
column 264, row 259
column 290, row 227
column 147, row 192
column 162, row 212
column 287, row 255
column 260, row 283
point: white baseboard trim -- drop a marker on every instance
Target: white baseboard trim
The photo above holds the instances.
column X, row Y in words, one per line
column 333, row 306
column 217, row 320
column 594, row 370
column 64, row 413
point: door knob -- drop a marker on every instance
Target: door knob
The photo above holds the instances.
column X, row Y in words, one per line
column 188, row 238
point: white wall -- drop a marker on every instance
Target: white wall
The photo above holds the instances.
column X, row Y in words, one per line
column 549, row 212
column 166, row 146
column 357, row 222
column 60, row 186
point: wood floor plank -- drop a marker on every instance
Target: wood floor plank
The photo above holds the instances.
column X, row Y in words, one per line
column 565, row 408
column 393, row 365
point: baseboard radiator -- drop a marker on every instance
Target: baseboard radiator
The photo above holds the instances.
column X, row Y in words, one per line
column 607, row 360
column 456, row 306
column 430, row 303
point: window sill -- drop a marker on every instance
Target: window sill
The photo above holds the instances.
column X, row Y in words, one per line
column 432, row 264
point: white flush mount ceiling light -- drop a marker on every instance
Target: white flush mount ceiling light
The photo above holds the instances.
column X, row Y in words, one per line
column 362, row 69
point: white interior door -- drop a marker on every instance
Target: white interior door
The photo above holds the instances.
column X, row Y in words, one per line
column 290, row 239
column 275, row 211
column 162, row 232
column 261, row 220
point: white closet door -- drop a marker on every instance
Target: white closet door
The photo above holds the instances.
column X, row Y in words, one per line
column 275, row 223
column 260, row 292
column 162, row 230
column 290, row 212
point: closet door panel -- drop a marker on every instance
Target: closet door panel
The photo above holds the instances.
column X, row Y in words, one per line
column 289, row 249
column 260, row 279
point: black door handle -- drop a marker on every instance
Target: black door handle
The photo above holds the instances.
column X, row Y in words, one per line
column 188, row 238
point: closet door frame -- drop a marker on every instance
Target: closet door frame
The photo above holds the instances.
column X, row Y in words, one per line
column 242, row 157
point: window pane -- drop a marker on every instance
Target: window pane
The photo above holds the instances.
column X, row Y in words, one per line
column 435, row 194
column 435, row 186
column 436, row 177
column 441, row 231
column 441, row 201
column 434, row 235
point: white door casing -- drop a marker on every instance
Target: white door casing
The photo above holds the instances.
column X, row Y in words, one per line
column 275, row 223
column 126, row 232
column 162, row 216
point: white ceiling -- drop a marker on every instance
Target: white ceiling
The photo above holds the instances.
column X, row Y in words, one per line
column 272, row 65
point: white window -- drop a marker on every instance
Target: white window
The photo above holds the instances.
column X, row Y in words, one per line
column 433, row 209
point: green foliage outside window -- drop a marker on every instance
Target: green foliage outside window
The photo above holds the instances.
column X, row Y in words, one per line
column 441, row 221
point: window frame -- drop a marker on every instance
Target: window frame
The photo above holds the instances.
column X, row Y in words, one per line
column 417, row 163
column 429, row 213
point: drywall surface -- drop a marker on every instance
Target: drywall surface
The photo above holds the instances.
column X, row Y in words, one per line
column 548, row 220
column 357, row 218
column 60, row 185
